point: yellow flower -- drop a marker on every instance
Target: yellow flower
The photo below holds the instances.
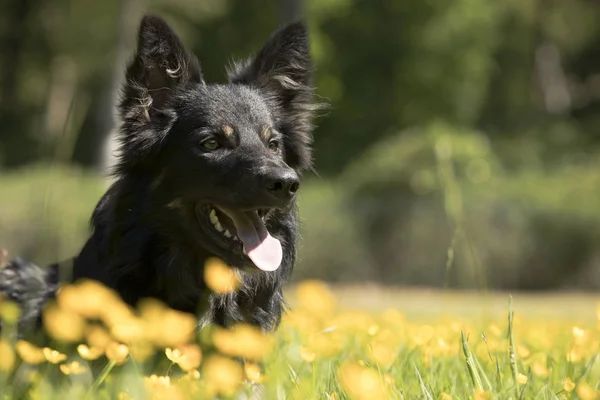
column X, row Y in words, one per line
column 539, row 369
column 129, row 330
column 586, row 392
column 307, row 355
column 154, row 381
column 72, row 368
column 29, row 353
column 124, row 396
column 244, row 341
column 219, row 277
column 522, row 379
column 166, row 327
column 361, row 382
column 194, row 374
column 89, row 353
column 316, row 298
column 373, row 329
column 253, row 373
column 224, row 375
column 522, row 351
column 62, row 324
column 188, row 357
column 568, row 384
column 445, row 396
column 9, row 312
column 389, row 380
column 97, row 336
column 160, row 387
column 117, row 352
column 7, row 356
column 141, row 350
column 87, row 298
column 481, row 395
column 53, row 356
column 578, row 332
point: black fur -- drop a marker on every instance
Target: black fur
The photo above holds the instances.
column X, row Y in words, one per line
column 150, row 237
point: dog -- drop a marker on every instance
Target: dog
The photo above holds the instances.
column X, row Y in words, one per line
column 204, row 170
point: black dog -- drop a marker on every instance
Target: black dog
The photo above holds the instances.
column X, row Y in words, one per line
column 205, row 170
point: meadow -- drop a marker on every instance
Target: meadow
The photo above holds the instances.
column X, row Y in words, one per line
column 336, row 343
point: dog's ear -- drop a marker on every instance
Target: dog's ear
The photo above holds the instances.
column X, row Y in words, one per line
column 160, row 67
column 282, row 69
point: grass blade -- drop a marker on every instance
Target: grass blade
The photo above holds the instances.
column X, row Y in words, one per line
column 471, row 364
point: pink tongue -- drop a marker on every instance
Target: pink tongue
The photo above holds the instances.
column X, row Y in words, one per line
column 262, row 248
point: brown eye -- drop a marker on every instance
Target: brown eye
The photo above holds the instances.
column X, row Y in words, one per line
column 274, row 146
column 210, row 144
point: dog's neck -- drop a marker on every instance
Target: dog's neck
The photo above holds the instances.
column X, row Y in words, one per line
column 136, row 238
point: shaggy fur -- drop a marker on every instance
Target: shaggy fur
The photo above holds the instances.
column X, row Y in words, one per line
column 151, row 231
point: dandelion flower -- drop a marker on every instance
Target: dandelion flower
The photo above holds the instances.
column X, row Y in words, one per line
column 29, row 353
column 72, row 368
column 117, row 352
column 445, row 396
column 219, row 277
column 7, row 356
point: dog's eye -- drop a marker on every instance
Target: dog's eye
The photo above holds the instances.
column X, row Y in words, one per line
column 210, row 144
column 274, row 145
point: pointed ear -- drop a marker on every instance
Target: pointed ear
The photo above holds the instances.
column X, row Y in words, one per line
column 160, row 66
column 283, row 64
column 283, row 71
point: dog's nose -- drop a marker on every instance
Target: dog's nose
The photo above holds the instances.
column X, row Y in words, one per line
column 283, row 185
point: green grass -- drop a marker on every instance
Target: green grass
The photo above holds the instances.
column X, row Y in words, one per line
column 360, row 343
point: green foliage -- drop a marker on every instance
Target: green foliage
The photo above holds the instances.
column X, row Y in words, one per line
column 45, row 211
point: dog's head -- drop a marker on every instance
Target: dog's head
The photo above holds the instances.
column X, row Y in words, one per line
column 227, row 156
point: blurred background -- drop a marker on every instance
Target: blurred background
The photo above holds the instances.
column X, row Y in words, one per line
column 461, row 147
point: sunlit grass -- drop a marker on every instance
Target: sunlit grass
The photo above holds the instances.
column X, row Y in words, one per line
column 105, row 349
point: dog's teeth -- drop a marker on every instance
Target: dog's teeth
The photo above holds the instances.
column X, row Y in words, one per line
column 227, row 234
column 244, row 250
column 218, row 226
column 213, row 217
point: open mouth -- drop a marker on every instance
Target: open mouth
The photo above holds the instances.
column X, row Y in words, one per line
column 247, row 228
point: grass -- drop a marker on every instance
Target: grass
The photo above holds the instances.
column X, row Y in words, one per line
column 337, row 343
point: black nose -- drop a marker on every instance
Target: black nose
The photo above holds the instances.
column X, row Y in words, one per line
column 283, row 185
